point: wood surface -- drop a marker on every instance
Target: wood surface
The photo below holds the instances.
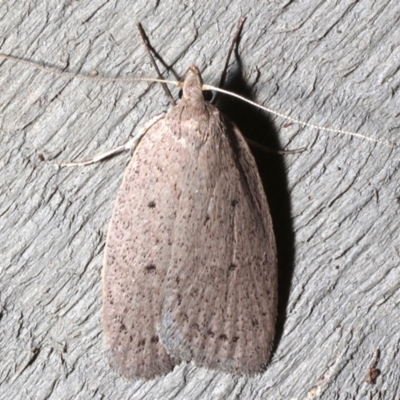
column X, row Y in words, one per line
column 335, row 206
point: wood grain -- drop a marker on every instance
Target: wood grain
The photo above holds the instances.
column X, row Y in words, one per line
column 335, row 207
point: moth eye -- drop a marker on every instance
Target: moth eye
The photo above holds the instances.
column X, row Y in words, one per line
column 208, row 95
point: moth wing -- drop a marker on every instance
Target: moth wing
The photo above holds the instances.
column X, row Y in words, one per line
column 221, row 285
column 136, row 261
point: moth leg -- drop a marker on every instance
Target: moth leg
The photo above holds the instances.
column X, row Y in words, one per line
column 128, row 146
column 266, row 149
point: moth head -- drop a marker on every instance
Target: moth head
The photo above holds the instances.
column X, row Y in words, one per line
column 192, row 86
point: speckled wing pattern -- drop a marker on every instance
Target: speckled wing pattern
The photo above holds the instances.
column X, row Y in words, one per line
column 190, row 263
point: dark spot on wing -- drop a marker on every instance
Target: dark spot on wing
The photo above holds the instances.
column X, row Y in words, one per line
column 150, row 269
column 231, row 267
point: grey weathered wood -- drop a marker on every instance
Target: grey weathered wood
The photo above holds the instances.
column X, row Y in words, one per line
column 335, row 206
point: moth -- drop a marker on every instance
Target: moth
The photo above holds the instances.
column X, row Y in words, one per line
column 190, row 265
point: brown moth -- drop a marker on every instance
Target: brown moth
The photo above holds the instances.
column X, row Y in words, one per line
column 190, row 267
